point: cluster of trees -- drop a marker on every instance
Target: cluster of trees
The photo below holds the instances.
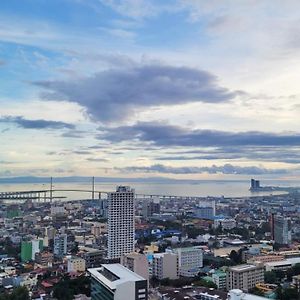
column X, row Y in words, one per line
column 19, row 293
column 7, row 247
column 287, row 294
column 67, row 288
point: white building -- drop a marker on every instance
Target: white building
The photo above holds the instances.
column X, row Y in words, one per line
column 237, row 294
column 115, row 282
column 190, row 261
column 165, row 265
column 60, row 245
column 120, row 222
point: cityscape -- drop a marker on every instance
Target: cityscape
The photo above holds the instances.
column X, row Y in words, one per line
column 149, row 150
column 154, row 247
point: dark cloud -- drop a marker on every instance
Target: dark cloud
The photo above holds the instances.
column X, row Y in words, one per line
column 224, row 169
column 113, row 94
column 274, row 153
column 97, row 159
column 81, row 152
column 35, row 124
column 160, row 134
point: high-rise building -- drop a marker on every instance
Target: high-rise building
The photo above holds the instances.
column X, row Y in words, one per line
column 255, row 184
column 282, row 230
column 60, row 245
column 244, row 277
column 115, row 282
column 190, row 261
column 120, row 222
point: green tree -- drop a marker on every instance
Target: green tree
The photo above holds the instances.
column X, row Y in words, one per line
column 270, row 277
column 19, row 293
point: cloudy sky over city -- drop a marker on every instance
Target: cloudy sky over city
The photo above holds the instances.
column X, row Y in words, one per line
column 188, row 89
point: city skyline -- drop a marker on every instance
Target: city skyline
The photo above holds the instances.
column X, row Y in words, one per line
column 184, row 89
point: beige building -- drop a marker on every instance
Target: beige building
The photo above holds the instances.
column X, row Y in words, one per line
column 265, row 258
column 165, row 265
column 244, row 277
column 137, row 263
column 75, row 264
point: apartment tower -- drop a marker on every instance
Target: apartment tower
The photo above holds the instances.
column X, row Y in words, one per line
column 120, row 222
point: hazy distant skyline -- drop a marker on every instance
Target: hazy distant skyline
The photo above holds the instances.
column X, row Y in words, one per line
column 178, row 88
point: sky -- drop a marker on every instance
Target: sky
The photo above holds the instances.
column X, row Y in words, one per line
column 185, row 89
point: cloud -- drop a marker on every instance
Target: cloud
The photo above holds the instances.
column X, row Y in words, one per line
column 97, row 159
column 161, row 134
column 224, row 169
column 35, row 124
column 289, row 155
column 114, row 94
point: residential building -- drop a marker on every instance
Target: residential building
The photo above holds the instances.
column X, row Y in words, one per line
column 30, row 248
column 282, row 230
column 93, row 257
column 44, row 258
column 190, row 261
column 60, row 245
column 115, row 282
column 75, row 264
column 219, row 278
column 244, row 277
column 165, row 265
column 137, row 263
column 120, row 222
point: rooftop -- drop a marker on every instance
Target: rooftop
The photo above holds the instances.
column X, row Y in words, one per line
column 114, row 274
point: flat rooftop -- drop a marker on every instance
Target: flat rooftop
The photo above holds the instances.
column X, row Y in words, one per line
column 243, row 268
column 112, row 275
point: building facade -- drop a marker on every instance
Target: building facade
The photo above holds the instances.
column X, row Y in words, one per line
column 244, row 277
column 137, row 263
column 60, row 245
column 120, row 222
column 282, row 230
column 165, row 265
column 190, row 261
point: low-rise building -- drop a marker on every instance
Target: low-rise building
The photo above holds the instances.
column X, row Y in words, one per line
column 137, row 263
column 190, row 261
column 244, row 277
column 165, row 265
column 219, row 278
column 75, row 264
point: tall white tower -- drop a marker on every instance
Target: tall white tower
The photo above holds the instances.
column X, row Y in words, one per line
column 120, row 222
